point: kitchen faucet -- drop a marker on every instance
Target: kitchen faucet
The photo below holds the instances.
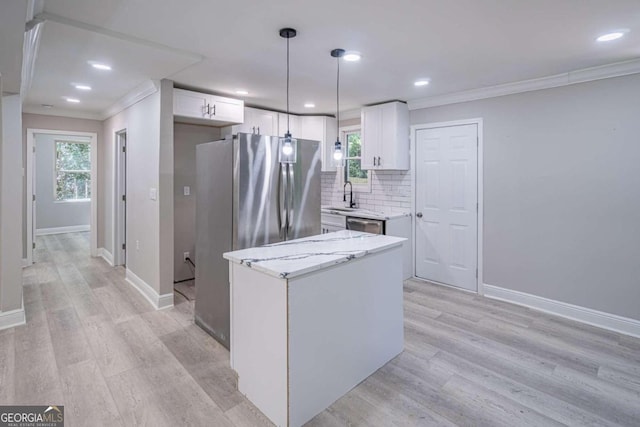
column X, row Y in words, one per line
column 352, row 204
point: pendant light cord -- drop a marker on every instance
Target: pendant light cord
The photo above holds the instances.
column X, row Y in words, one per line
column 338, row 100
column 288, row 132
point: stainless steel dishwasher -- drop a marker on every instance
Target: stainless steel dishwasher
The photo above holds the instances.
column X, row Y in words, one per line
column 373, row 226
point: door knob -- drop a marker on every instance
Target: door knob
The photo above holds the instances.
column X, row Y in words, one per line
column 419, row 214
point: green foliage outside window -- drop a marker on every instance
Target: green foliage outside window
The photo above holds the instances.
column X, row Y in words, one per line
column 353, row 170
column 73, row 171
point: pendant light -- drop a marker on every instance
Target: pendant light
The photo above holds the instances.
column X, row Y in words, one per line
column 337, row 147
column 287, row 145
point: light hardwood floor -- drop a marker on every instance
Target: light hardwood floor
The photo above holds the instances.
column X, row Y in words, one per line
column 93, row 344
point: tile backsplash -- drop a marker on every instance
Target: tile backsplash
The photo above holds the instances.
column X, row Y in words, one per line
column 390, row 191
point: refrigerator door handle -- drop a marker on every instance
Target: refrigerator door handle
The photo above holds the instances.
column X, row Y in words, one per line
column 282, row 202
column 291, row 188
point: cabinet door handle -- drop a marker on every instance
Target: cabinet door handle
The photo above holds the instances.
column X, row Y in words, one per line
column 374, row 160
column 253, row 130
column 258, row 130
column 378, row 160
column 214, row 109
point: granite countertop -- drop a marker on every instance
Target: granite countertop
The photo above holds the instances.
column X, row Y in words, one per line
column 364, row 213
column 301, row 256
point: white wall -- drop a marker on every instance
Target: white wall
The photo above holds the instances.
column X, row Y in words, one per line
column 10, row 203
column 49, row 212
column 561, row 191
column 186, row 137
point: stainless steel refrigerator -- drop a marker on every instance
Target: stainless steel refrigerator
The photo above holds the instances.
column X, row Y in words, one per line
column 247, row 197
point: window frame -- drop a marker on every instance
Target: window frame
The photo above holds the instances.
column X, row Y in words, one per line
column 344, row 131
column 55, row 170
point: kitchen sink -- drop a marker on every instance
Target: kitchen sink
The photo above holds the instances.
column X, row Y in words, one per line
column 335, row 208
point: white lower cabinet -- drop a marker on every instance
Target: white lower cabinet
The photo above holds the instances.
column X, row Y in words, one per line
column 332, row 222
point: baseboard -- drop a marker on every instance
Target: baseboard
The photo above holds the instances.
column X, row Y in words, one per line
column 9, row 319
column 25, row 263
column 612, row 322
column 157, row 301
column 61, row 230
column 106, row 255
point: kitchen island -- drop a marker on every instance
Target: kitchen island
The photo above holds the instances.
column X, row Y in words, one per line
column 313, row 317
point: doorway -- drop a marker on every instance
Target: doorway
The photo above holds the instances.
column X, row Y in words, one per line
column 120, row 202
column 60, row 185
column 447, row 201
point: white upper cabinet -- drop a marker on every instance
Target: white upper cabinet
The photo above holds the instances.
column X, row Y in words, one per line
column 202, row 108
column 385, row 136
column 294, row 125
column 257, row 121
column 323, row 129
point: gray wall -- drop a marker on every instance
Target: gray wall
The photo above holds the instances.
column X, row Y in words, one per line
column 186, row 137
column 10, row 203
column 38, row 121
column 49, row 212
column 562, row 191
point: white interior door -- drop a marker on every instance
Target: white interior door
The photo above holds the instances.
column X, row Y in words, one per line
column 121, row 229
column 34, row 202
column 446, row 205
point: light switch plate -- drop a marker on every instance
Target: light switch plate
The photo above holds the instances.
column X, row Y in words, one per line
column 153, row 194
column 187, row 190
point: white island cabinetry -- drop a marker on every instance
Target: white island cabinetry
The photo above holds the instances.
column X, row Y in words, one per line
column 311, row 318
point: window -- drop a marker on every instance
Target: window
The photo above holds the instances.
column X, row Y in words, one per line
column 73, row 171
column 353, row 160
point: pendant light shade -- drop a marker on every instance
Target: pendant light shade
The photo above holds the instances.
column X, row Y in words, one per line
column 337, row 146
column 287, row 146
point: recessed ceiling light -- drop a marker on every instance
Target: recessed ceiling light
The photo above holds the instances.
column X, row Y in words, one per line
column 242, row 92
column 421, row 82
column 352, row 56
column 309, row 105
column 100, row 66
column 612, row 36
column 73, row 100
column 82, row 87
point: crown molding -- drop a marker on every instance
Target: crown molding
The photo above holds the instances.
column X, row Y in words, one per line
column 572, row 77
column 147, row 88
column 57, row 112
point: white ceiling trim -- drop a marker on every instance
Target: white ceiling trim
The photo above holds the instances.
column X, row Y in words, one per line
column 115, row 34
column 58, row 112
column 138, row 94
column 572, row 77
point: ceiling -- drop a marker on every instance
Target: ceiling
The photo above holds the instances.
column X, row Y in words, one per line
column 222, row 46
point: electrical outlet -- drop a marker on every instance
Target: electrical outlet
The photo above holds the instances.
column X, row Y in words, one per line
column 187, row 190
column 186, row 255
column 137, row 245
